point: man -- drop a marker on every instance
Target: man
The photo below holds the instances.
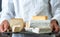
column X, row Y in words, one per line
column 26, row 9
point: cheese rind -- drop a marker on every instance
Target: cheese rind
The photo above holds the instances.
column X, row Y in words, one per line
column 39, row 18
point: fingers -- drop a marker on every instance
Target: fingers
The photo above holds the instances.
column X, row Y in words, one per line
column 56, row 29
column 1, row 28
column 54, row 26
column 6, row 25
column 6, row 28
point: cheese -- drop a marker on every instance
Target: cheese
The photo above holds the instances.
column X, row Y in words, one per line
column 38, row 30
column 39, row 26
column 27, row 25
column 36, row 18
column 16, row 24
column 41, row 30
column 39, row 23
column 39, row 18
column 16, row 28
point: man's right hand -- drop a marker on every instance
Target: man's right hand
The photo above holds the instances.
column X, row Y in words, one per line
column 4, row 26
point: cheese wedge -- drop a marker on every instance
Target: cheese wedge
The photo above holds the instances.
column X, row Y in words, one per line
column 16, row 24
column 39, row 18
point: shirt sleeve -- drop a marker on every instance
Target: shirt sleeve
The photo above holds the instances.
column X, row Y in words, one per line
column 55, row 9
column 7, row 10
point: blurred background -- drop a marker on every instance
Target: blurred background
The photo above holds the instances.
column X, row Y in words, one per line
column 0, row 5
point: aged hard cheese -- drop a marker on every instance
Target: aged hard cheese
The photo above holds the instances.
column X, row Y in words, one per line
column 16, row 28
column 39, row 18
column 16, row 24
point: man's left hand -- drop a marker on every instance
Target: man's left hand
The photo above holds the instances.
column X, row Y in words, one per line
column 55, row 26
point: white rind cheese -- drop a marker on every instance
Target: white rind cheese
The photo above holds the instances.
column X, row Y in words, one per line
column 39, row 26
column 39, row 23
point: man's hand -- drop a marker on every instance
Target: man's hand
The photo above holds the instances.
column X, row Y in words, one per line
column 54, row 26
column 4, row 26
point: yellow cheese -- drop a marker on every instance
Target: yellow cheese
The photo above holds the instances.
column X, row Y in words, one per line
column 16, row 24
column 39, row 18
column 16, row 28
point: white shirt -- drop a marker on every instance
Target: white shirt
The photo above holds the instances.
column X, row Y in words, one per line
column 27, row 8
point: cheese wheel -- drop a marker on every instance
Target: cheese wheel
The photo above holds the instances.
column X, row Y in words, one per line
column 16, row 23
column 39, row 18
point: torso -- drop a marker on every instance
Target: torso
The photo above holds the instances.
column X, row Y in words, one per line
column 28, row 8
